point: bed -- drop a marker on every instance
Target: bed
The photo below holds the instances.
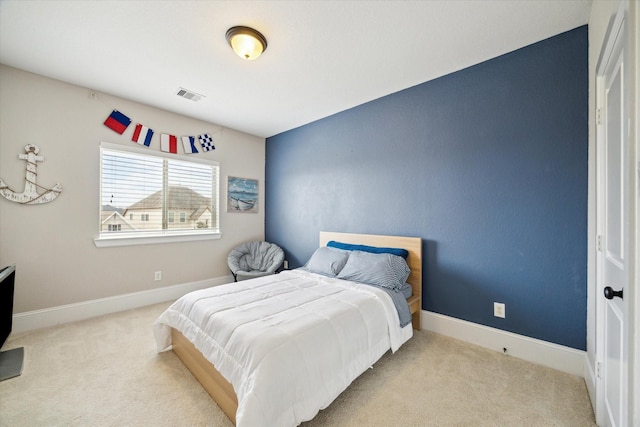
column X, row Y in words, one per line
column 285, row 354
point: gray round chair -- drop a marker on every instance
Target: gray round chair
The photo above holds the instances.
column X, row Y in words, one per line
column 255, row 259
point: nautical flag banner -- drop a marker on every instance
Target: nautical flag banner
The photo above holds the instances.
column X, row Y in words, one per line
column 117, row 122
column 168, row 143
column 189, row 144
column 206, row 142
column 142, row 135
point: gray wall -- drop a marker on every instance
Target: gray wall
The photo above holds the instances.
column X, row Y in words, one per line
column 52, row 245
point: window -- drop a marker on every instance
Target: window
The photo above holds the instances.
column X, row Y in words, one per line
column 151, row 188
column 115, row 227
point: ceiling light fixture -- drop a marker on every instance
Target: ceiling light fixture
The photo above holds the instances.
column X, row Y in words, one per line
column 246, row 42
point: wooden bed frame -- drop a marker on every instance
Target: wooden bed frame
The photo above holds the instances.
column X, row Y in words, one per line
column 222, row 391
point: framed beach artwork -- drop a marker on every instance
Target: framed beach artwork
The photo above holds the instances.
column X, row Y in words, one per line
column 242, row 194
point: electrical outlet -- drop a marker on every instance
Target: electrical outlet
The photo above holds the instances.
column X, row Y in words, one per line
column 499, row 309
column 158, row 276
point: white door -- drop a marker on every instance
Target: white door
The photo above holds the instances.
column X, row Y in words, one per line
column 613, row 138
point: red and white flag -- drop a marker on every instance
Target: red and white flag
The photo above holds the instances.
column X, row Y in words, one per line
column 168, row 143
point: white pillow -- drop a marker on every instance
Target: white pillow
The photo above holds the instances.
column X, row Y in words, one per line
column 327, row 261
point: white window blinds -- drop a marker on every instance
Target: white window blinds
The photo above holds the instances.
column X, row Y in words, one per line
column 145, row 193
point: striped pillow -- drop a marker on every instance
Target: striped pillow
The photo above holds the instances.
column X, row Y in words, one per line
column 385, row 270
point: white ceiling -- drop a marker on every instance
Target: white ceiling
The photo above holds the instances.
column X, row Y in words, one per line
column 322, row 57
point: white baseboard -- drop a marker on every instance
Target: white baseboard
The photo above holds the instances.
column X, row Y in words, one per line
column 544, row 353
column 37, row 319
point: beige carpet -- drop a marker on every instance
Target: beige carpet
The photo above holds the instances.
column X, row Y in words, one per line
column 105, row 372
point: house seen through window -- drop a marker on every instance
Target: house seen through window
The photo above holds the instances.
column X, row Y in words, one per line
column 154, row 192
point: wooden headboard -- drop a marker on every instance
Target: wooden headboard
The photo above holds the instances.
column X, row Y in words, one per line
column 414, row 260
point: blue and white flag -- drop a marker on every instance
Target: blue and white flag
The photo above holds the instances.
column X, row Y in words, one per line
column 189, row 144
column 206, row 142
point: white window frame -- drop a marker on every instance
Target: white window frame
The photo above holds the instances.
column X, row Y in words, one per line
column 110, row 239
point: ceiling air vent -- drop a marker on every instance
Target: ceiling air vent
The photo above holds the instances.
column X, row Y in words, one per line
column 186, row 93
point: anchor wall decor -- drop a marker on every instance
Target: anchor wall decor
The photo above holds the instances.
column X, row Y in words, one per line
column 30, row 195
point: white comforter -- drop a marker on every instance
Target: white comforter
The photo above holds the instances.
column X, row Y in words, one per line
column 288, row 343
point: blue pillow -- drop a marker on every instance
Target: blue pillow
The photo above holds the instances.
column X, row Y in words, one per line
column 327, row 261
column 384, row 270
column 371, row 249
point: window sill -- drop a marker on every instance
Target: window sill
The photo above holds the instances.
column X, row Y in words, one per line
column 122, row 239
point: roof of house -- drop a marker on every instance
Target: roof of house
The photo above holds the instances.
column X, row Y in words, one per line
column 105, row 216
column 198, row 212
column 178, row 197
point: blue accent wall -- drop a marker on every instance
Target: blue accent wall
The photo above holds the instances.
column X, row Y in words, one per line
column 487, row 165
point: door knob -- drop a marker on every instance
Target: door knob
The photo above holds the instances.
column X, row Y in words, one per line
column 609, row 293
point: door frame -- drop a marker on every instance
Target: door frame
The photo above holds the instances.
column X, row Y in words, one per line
column 632, row 295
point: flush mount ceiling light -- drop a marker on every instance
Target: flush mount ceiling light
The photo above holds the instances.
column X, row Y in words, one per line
column 246, row 42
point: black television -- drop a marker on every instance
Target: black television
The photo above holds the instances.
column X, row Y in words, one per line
column 10, row 360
